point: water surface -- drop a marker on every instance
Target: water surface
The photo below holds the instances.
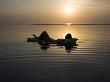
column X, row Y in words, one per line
column 21, row 61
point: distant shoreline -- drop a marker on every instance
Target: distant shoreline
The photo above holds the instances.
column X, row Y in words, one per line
column 54, row 24
column 70, row 24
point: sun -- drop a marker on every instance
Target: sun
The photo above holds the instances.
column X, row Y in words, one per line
column 68, row 9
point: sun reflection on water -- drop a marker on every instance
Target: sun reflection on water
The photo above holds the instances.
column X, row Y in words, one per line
column 68, row 24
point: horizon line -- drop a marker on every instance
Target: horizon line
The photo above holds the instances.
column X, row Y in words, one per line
column 60, row 24
column 69, row 24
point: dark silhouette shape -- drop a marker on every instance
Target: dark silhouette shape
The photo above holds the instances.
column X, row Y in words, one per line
column 68, row 36
column 44, row 37
column 44, row 46
column 69, row 42
column 44, row 41
column 35, row 36
column 69, row 45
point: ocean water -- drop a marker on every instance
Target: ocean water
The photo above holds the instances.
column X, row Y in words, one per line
column 21, row 61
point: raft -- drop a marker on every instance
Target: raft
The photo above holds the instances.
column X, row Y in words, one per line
column 32, row 40
column 58, row 41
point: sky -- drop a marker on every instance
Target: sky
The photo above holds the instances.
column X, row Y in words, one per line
column 54, row 11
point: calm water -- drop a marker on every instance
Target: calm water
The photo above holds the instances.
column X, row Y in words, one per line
column 26, row 62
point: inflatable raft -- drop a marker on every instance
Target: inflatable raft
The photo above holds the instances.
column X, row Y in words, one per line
column 58, row 41
column 45, row 41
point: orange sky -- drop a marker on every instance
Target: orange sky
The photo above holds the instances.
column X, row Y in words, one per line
column 53, row 11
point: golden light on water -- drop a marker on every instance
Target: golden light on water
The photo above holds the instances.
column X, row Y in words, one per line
column 68, row 24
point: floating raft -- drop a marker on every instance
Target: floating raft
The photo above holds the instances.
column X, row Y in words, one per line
column 58, row 41
column 32, row 40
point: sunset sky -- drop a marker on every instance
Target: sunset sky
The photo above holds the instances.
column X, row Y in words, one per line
column 54, row 11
